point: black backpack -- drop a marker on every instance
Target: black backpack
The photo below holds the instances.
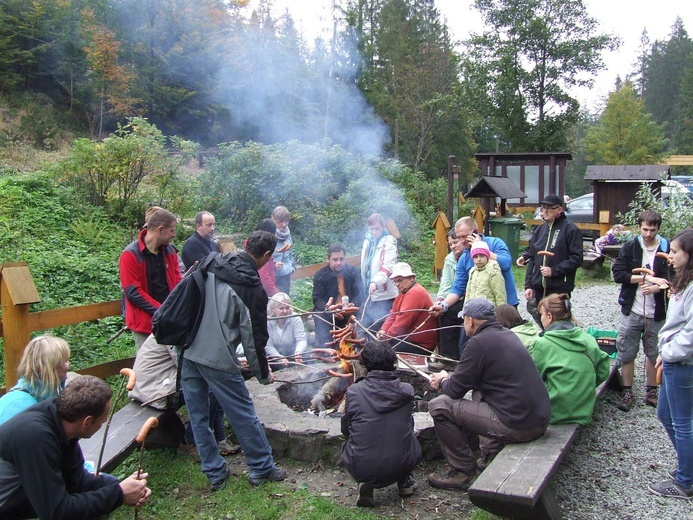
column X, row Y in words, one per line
column 178, row 319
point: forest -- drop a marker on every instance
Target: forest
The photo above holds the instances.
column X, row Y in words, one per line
column 389, row 82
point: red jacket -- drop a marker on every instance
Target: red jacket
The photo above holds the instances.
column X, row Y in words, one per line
column 400, row 324
column 139, row 305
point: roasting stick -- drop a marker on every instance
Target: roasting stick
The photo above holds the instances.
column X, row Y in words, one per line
column 129, row 376
column 423, row 374
column 150, row 423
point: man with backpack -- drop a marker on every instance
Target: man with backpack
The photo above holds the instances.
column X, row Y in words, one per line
column 235, row 312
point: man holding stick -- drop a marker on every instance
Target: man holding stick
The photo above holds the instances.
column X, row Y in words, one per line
column 553, row 256
column 509, row 401
column 41, row 464
column 643, row 309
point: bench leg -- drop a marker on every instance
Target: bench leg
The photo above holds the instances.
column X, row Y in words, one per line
column 547, row 508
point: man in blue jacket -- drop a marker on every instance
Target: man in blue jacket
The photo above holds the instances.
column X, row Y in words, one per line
column 466, row 230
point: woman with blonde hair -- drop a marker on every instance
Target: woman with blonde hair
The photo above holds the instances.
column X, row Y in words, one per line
column 287, row 336
column 41, row 374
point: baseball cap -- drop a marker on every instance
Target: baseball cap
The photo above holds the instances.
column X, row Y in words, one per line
column 552, row 200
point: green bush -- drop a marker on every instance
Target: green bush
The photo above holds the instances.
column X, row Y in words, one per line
column 676, row 211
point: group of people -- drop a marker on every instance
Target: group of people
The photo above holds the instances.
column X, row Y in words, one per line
column 522, row 376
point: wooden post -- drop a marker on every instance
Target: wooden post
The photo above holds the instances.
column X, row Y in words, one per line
column 441, row 225
column 17, row 291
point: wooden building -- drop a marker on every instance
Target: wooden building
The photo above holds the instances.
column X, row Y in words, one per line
column 536, row 174
column 615, row 186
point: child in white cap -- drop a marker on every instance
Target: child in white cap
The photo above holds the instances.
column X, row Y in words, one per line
column 485, row 278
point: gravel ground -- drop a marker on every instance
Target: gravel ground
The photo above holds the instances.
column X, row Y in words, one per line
column 606, row 472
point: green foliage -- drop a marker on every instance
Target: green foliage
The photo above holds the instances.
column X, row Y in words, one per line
column 676, row 212
column 625, row 133
column 109, row 173
column 521, row 67
column 329, row 192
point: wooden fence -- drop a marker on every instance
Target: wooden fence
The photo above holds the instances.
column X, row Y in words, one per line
column 18, row 292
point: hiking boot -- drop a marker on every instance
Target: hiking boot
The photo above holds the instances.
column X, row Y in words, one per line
column 275, row 475
column 365, row 496
column 651, row 397
column 225, row 448
column 453, row 479
column 626, row 402
column 220, row 484
column 483, row 461
column 406, row 488
column 670, row 489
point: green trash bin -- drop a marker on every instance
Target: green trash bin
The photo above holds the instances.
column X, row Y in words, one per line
column 508, row 230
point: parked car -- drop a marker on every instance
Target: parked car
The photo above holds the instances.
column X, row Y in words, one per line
column 684, row 180
column 579, row 209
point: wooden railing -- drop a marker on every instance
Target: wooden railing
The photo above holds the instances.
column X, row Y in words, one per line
column 18, row 292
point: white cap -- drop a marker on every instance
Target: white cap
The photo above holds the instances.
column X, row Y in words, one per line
column 402, row 269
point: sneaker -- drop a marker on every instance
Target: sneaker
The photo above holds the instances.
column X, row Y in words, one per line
column 670, row 489
column 220, row 484
column 672, row 473
column 406, row 488
column 453, row 479
column 651, row 397
column 276, row 475
column 225, row 448
column 365, row 496
column 626, row 402
column 483, row 461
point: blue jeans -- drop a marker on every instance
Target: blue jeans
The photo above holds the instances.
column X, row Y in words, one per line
column 230, row 390
column 675, row 411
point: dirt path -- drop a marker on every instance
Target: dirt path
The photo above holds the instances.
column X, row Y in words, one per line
column 337, row 485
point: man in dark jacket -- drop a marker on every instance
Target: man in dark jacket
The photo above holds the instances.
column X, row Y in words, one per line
column 201, row 242
column 509, row 402
column 149, row 270
column 235, row 313
column 41, row 464
column 336, row 280
column 643, row 310
column 553, row 256
column 380, row 447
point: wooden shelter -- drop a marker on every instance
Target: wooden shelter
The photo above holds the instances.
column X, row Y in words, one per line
column 491, row 188
column 615, row 186
column 536, row 174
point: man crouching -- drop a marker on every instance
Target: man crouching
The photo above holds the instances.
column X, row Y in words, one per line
column 380, row 447
column 509, row 401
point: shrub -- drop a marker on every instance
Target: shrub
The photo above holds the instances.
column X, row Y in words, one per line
column 676, row 210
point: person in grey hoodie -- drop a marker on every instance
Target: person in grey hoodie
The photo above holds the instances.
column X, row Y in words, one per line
column 380, row 447
column 235, row 312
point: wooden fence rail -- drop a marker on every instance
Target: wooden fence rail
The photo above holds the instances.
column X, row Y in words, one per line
column 18, row 292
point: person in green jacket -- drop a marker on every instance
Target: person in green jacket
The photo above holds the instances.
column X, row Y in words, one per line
column 570, row 362
column 526, row 330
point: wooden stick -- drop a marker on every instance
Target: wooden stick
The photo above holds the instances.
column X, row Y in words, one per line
column 150, row 423
column 423, row 374
column 131, row 380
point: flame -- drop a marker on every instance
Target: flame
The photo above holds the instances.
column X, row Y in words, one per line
column 347, row 351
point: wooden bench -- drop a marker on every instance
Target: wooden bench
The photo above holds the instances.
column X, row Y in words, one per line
column 516, row 483
column 125, row 426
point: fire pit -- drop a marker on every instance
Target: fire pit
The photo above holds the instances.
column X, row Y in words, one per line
column 297, row 433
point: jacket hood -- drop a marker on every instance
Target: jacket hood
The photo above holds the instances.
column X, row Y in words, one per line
column 566, row 335
column 236, row 268
column 385, row 392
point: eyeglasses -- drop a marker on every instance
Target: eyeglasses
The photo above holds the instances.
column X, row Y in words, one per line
column 548, row 208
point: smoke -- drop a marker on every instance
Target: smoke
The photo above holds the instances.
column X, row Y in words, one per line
column 277, row 95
